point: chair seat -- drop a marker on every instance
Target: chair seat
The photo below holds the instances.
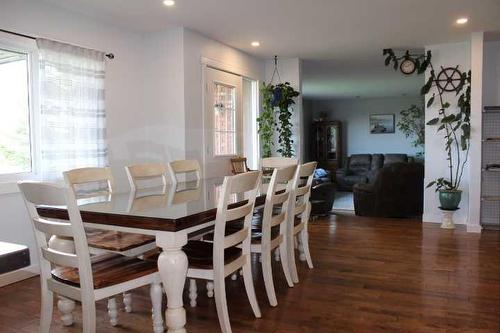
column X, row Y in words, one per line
column 200, row 254
column 114, row 270
column 116, row 241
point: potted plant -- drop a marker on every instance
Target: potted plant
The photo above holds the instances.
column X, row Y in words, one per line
column 455, row 125
column 412, row 124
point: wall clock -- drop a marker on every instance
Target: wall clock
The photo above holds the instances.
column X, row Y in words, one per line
column 408, row 66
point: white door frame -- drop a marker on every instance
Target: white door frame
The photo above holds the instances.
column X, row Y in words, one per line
column 244, row 73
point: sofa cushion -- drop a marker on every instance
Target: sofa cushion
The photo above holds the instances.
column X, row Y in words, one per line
column 395, row 158
column 360, row 161
column 377, row 161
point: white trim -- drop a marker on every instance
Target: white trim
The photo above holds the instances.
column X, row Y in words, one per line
column 19, row 275
column 474, row 228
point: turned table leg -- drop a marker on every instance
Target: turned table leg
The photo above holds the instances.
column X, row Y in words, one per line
column 172, row 265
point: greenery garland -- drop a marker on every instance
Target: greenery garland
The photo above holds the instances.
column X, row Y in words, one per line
column 277, row 102
column 456, row 126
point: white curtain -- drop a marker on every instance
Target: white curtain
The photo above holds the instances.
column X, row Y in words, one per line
column 73, row 120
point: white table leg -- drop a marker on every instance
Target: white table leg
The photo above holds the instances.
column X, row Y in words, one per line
column 172, row 265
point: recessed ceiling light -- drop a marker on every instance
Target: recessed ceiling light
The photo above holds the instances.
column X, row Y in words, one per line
column 255, row 44
column 169, row 3
column 462, row 20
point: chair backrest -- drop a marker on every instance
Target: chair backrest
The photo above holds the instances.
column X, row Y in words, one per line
column 46, row 194
column 247, row 185
column 146, row 172
column 277, row 197
column 89, row 176
column 184, row 167
column 277, row 162
column 239, row 165
column 302, row 183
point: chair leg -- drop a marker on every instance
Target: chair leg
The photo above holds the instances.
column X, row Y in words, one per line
column 88, row 315
column 267, row 274
column 304, row 237
column 66, row 307
column 210, row 289
column 221, row 304
column 127, row 302
column 193, row 293
column 47, row 306
column 112, row 311
column 284, row 264
column 291, row 260
column 302, row 256
column 248, row 279
column 156, row 295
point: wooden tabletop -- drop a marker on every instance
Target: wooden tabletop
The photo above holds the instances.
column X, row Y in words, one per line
column 170, row 208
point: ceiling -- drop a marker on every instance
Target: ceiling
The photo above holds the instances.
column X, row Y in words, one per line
column 343, row 32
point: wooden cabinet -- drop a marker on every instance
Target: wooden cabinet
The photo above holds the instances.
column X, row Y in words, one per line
column 327, row 144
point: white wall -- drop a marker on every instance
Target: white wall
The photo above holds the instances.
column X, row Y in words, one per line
column 163, row 85
column 355, row 114
column 196, row 47
column 290, row 70
column 435, row 156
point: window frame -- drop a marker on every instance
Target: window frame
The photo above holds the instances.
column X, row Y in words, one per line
column 235, row 123
column 28, row 46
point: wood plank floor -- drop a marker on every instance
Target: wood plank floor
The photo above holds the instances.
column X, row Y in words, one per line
column 370, row 275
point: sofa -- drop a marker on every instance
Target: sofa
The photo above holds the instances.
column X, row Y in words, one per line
column 397, row 191
column 363, row 168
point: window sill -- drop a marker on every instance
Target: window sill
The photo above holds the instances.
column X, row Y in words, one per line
column 8, row 188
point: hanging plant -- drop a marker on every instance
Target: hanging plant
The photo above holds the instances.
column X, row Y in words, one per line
column 266, row 122
column 276, row 116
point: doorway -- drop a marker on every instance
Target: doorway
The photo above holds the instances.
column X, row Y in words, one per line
column 223, row 121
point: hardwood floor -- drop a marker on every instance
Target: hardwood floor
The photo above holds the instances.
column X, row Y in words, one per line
column 370, row 275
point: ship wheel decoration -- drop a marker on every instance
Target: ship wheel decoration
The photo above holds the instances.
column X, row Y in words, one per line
column 449, row 79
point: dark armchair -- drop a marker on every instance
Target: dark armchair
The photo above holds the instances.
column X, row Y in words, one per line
column 357, row 170
column 398, row 191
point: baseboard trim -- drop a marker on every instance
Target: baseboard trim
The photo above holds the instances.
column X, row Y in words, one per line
column 19, row 275
column 474, row 228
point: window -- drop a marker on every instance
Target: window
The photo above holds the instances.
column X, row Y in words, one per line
column 225, row 120
column 15, row 139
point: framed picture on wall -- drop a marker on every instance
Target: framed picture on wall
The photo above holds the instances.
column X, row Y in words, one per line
column 382, row 123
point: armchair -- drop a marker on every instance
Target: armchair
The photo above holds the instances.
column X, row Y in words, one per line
column 398, row 191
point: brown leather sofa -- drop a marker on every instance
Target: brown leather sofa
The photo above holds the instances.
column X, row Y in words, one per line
column 398, row 191
column 363, row 168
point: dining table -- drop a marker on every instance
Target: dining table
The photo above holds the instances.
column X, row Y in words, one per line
column 171, row 213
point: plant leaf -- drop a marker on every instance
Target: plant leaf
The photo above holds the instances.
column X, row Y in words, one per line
column 430, row 101
column 433, row 121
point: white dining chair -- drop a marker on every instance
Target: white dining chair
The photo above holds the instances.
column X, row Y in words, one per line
column 298, row 218
column 269, row 229
column 184, row 167
column 214, row 261
column 92, row 182
column 72, row 274
column 268, row 164
column 150, row 173
column 277, row 162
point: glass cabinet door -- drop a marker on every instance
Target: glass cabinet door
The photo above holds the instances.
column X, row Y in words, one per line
column 331, row 142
